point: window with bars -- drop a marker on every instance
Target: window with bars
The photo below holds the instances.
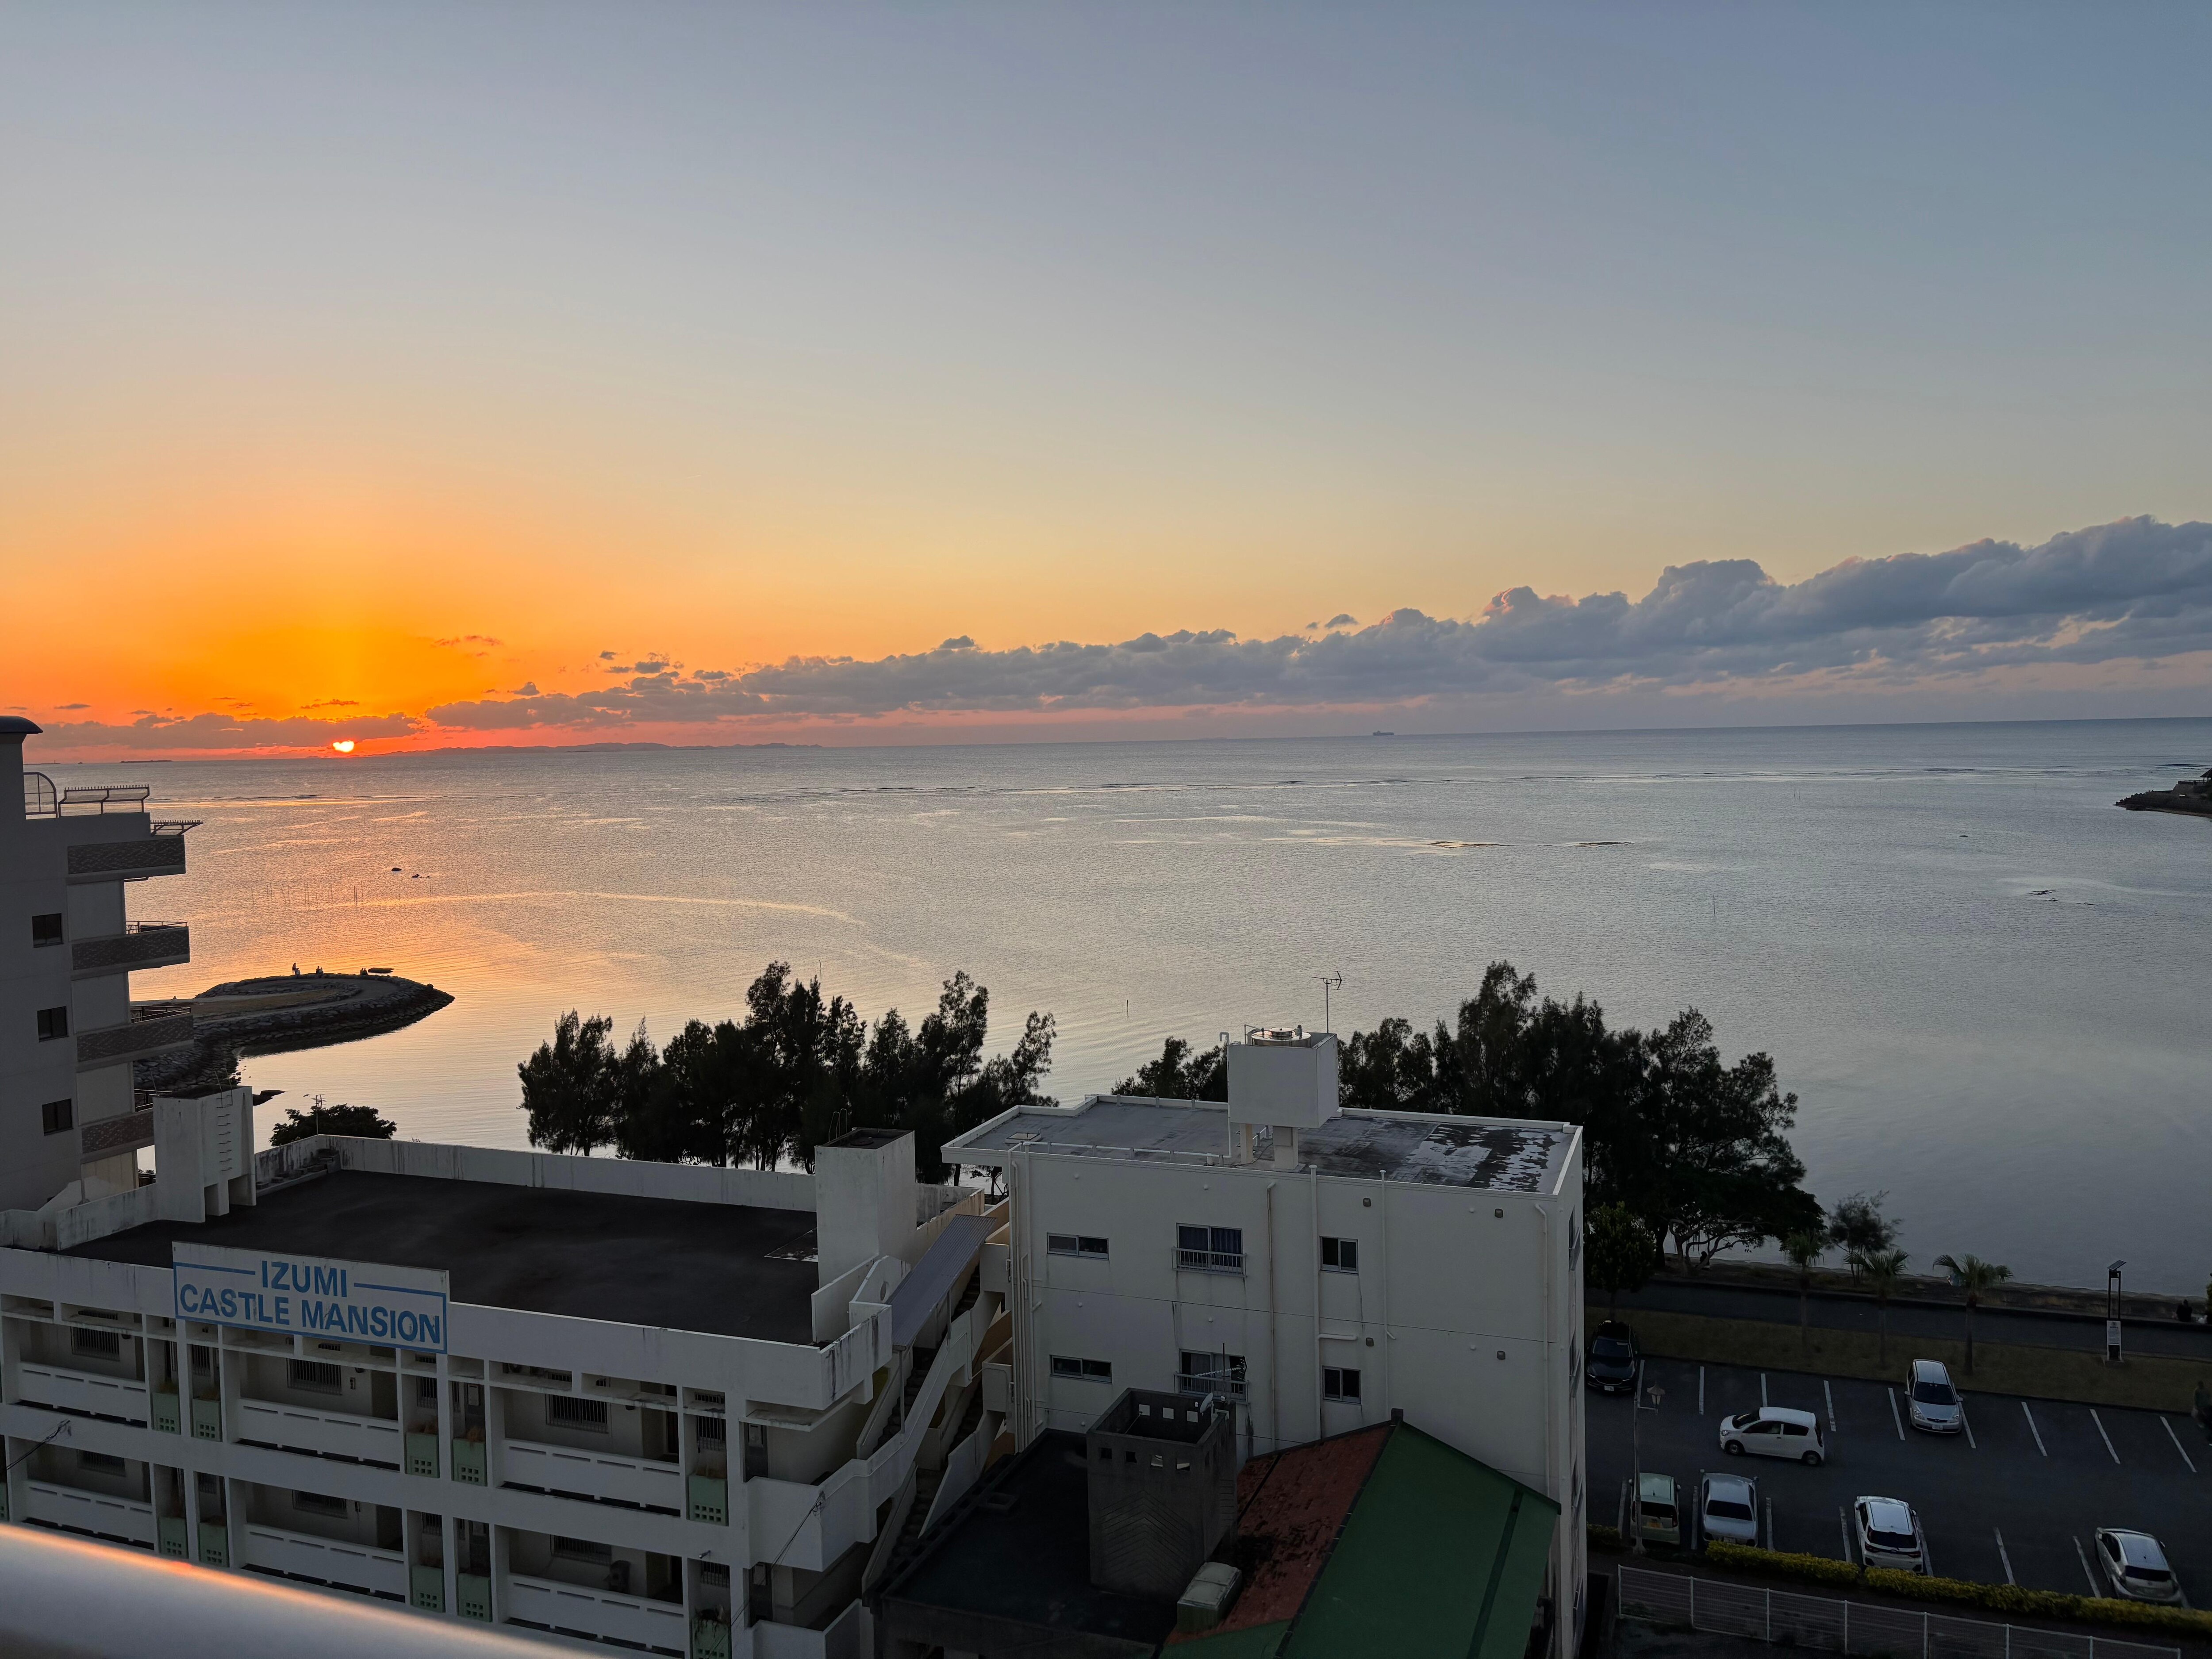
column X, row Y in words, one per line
column 571, row 1413
column 318, row 1374
column 101, row 1344
column 1209, row 1249
column 315, row 1503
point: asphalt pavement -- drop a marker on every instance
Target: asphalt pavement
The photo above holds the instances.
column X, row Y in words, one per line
column 2014, row 1499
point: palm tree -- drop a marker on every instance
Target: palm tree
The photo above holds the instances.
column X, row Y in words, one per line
column 1804, row 1249
column 1974, row 1276
column 1881, row 1269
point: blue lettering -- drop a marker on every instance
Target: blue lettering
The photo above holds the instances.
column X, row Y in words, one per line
column 187, row 1297
column 379, row 1322
column 405, row 1325
column 227, row 1301
column 264, row 1273
column 431, row 1327
column 357, row 1321
column 283, row 1311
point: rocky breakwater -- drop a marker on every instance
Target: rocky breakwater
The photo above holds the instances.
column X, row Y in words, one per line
column 281, row 1012
column 2190, row 795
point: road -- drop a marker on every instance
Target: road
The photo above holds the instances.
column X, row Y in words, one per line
column 2014, row 1500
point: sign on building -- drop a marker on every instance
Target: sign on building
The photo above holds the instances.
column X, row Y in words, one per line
column 311, row 1295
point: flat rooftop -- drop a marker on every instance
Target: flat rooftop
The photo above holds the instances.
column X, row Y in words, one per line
column 1496, row 1155
column 589, row 1255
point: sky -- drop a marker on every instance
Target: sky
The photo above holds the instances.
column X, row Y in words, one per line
column 424, row 375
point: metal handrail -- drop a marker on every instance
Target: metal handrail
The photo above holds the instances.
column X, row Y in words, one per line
column 90, row 800
column 1210, row 1261
column 39, row 798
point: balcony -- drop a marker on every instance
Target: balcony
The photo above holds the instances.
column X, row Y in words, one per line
column 141, row 855
column 326, row 1561
column 141, row 944
column 327, row 1434
column 123, row 1520
column 601, row 1477
column 596, row 1615
column 149, row 1031
column 66, row 1389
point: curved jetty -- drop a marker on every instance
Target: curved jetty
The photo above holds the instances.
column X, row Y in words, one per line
column 283, row 1011
column 2190, row 795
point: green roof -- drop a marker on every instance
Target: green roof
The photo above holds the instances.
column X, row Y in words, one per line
column 1440, row 1555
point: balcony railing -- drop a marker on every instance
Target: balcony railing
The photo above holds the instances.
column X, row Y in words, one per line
column 141, row 944
column 300, row 1429
column 155, row 853
column 66, row 1388
column 124, row 1519
column 602, row 1477
column 1210, row 1261
column 98, row 802
column 326, row 1561
column 597, row 1615
column 1198, row 1385
column 149, row 1031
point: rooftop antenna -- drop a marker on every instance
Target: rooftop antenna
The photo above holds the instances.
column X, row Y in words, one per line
column 1328, row 984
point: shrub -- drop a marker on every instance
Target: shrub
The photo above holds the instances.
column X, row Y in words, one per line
column 1603, row 1537
column 2001, row 1599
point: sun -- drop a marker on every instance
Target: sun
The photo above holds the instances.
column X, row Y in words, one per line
column 343, row 746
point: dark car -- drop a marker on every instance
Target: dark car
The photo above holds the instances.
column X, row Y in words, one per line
column 1614, row 1364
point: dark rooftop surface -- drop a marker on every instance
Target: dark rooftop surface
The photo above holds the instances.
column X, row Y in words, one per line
column 588, row 1256
column 1030, row 1562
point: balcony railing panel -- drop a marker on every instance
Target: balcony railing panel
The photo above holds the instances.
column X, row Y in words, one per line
column 326, row 1560
column 70, row 1391
column 105, row 860
column 146, row 1034
column 298, row 1428
column 599, row 1475
column 601, row 1615
column 91, row 1512
column 143, row 945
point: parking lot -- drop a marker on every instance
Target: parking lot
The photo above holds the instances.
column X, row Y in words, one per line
column 2014, row 1499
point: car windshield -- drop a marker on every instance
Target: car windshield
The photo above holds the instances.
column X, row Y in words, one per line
column 1609, row 1347
column 1744, row 1421
column 1935, row 1394
column 1891, row 1541
column 1727, row 1508
column 2149, row 1575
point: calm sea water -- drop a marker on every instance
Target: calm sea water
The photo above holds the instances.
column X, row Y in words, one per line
column 1989, row 987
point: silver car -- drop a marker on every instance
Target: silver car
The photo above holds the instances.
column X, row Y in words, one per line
column 1728, row 1507
column 2136, row 1564
column 1930, row 1403
column 1889, row 1534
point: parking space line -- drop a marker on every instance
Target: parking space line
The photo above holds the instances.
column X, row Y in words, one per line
column 2083, row 1556
column 1831, row 1395
column 2032, row 1429
column 1762, row 1388
column 1844, row 1520
column 2005, row 1556
column 2101, row 1435
column 1770, row 1523
column 1893, row 1417
column 2176, row 1438
column 1701, row 1390
column 1967, row 1424
column 1620, row 1523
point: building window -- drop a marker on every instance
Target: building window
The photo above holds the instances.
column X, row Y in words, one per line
column 583, row 1549
column 102, row 1345
column 426, row 1390
column 1339, row 1382
column 46, row 929
column 715, row 1431
column 317, row 1502
column 714, row 1573
column 573, row 1413
column 101, row 1463
column 52, row 1023
column 1074, row 1244
column 318, row 1374
column 1341, row 1255
column 56, row 1115
column 1091, row 1370
column 1209, row 1249
column 1212, row 1373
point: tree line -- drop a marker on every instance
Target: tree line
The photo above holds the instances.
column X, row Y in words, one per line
column 1693, row 1150
column 798, row 1069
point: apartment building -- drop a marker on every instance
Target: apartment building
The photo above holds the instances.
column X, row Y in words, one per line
column 67, row 947
column 1318, row 1269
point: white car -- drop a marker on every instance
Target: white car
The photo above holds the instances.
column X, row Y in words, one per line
column 2136, row 1564
column 1930, row 1403
column 1889, row 1534
column 1728, row 1507
column 1774, row 1432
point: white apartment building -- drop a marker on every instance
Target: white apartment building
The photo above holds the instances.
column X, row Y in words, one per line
column 1318, row 1267
column 67, row 947
column 669, row 1409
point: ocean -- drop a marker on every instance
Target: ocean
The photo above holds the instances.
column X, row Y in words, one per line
column 1987, row 986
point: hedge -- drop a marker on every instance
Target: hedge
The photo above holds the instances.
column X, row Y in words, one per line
column 2005, row 1599
column 1603, row 1537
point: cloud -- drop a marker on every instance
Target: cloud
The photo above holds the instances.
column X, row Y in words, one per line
column 527, row 688
column 332, row 703
column 606, row 656
column 1342, row 619
column 221, row 731
column 67, row 708
column 2136, row 590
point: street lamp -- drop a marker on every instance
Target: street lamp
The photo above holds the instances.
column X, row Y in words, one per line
column 1636, row 1455
column 2112, row 1313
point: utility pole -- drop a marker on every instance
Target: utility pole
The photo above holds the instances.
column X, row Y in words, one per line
column 1328, row 983
column 1636, row 1442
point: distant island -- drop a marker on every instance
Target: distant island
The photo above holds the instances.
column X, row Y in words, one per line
column 581, row 748
column 279, row 1012
column 2189, row 795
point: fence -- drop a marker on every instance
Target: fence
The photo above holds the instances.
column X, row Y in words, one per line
column 1816, row 1621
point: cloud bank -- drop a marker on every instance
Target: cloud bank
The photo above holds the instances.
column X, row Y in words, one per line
column 2134, row 591
column 2118, row 606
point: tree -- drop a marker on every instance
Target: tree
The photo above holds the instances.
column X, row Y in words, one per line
column 1622, row 1253
column 1180, row 1074
column 1803, row 1248
column 1857, row 1225
column 1881, row 1269
column 360, row 1122
column 1975, row 1277
column 568, row 1086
